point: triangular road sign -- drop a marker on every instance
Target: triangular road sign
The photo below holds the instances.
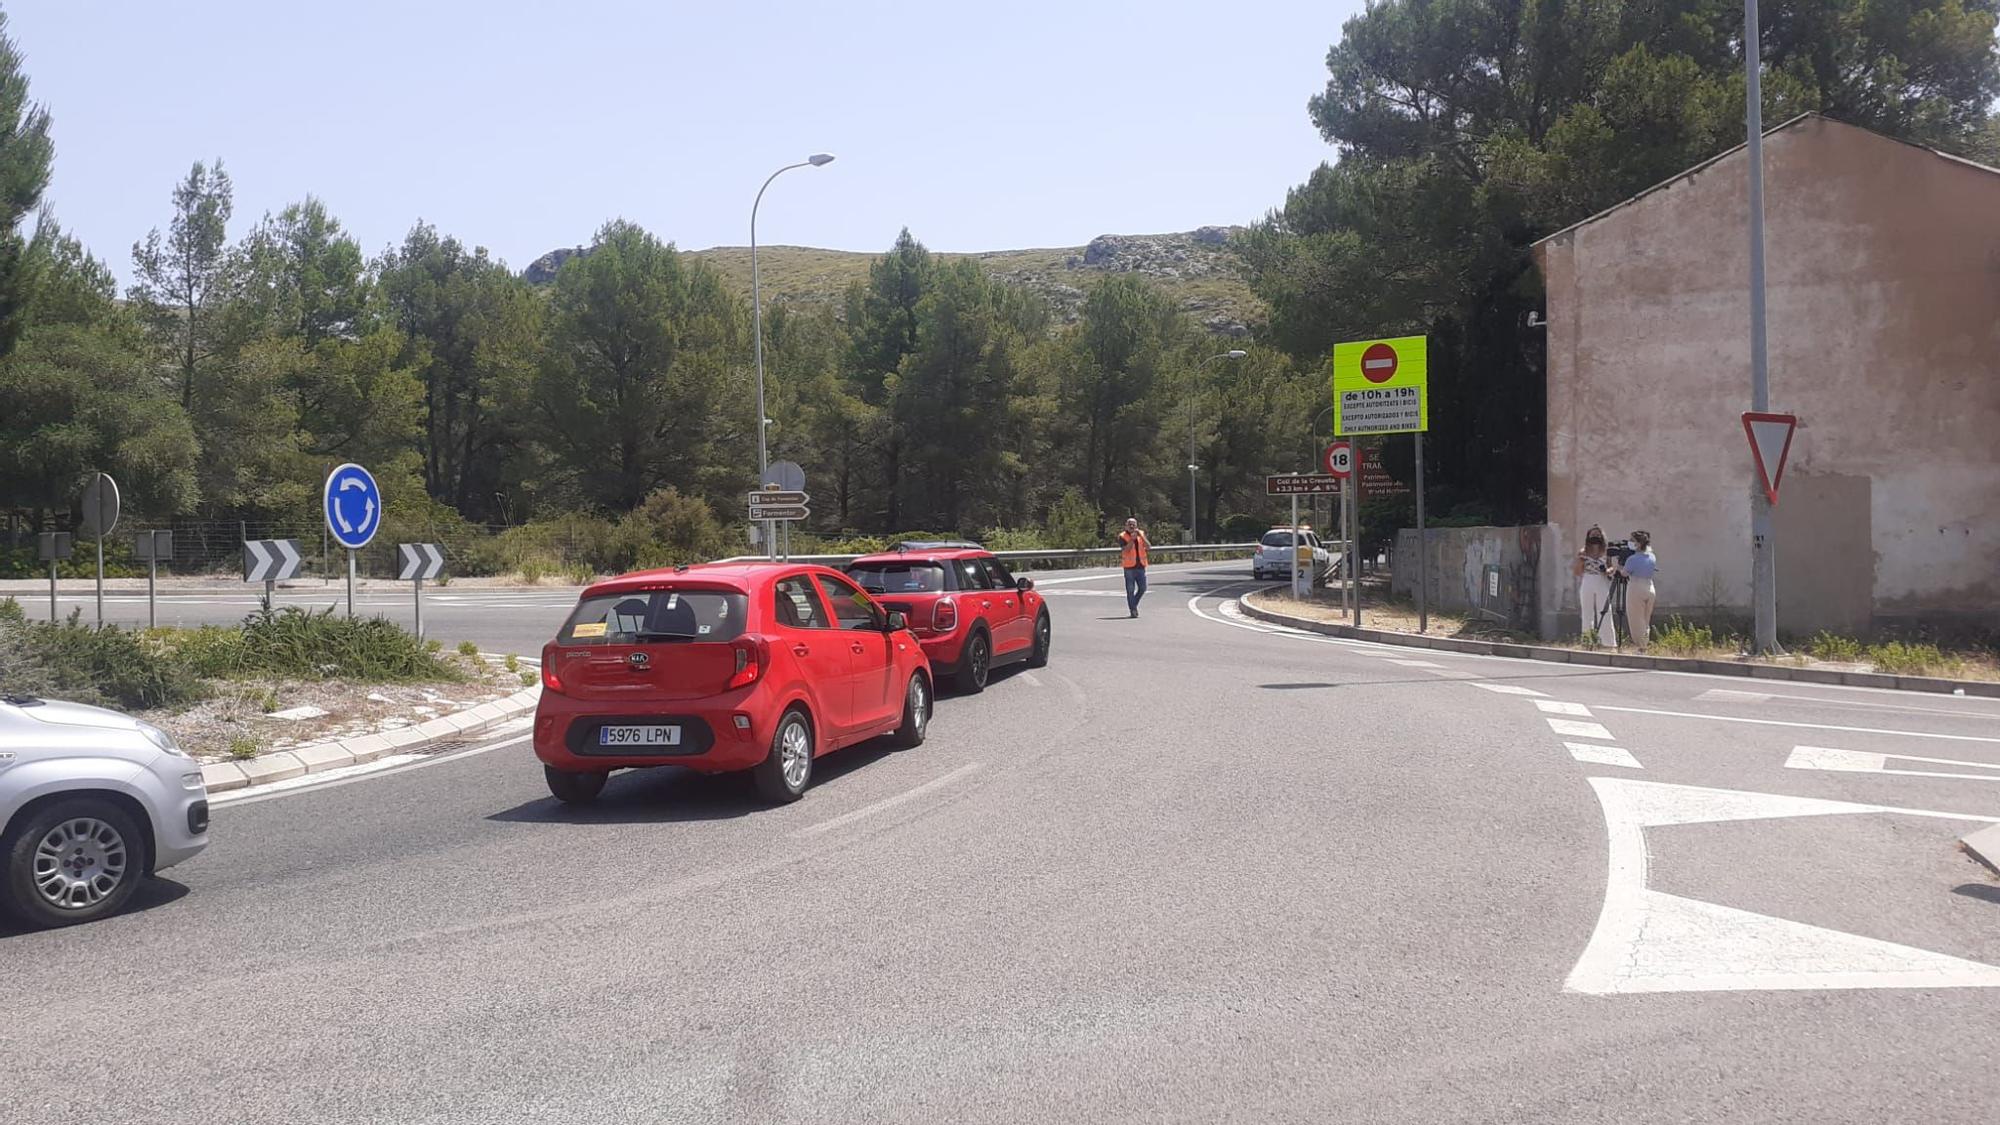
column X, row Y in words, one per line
column 1770, row 443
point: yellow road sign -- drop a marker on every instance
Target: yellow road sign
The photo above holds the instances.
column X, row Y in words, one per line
column 1381, row 386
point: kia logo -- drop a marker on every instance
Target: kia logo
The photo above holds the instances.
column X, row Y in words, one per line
column 638, row 660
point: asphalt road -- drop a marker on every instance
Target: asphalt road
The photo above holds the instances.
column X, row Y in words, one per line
column 1195, row 870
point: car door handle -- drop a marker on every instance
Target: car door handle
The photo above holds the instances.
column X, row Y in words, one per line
column 857, row 647
column 1010, row 603
column 801, row 650
column 985, row 605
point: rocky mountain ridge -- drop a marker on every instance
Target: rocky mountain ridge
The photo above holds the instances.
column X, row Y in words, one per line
column 1195, row 267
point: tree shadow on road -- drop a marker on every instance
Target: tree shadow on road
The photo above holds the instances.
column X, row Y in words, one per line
column 669, row 794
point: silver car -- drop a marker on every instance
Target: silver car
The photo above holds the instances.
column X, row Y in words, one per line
column 91, row 802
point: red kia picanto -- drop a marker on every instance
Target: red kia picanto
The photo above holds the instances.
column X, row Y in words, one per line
column 726, row 666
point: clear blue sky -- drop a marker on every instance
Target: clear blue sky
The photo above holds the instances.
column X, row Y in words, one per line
column 521, row 126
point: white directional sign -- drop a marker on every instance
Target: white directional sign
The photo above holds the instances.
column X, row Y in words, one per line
column 270, row 560
column 779, row 512
column 779, row 504
column 418, row 562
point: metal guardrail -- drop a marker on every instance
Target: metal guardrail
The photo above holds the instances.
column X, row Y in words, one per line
column 1170, row 551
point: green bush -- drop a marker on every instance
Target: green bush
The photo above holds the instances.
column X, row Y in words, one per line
column 242, row 749
column 1681, row 637
column 667, row 529
column 1906, row 659
column 1241, row 528
column 107, row 667
column 298, row 644
column 468, row 649
column 1830, row 646
column 551, row 545
column 1016, row 539
column 1073, row 522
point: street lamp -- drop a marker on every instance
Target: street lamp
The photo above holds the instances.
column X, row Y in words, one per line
column 816, row 160
column 1233, row 353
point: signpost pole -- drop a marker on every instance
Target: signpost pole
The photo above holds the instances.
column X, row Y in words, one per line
column 350, row 582
column 1423, row 546
column 53, row 564
column 420, row 605
column 100, row 578
column 1763, row 557
column 152, row 575
column 270, row 591
column 1295, row 544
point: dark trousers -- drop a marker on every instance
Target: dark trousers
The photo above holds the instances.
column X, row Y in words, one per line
column 1135, row 587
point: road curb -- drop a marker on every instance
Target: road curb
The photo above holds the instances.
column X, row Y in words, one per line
column 221, row 777
column 1984, row 846
column 1546, row 654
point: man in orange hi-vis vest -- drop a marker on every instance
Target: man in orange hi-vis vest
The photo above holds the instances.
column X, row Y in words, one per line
column 1132, row 549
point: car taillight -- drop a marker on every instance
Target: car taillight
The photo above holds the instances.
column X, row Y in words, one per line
column 550, row 681
column 944, row 618
column 752, row 654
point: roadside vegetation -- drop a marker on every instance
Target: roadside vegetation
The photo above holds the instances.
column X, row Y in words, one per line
column 145, row 669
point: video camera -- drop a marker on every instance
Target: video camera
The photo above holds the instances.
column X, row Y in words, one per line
column 1618, row 550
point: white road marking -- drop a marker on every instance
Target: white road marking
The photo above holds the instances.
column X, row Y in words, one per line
column 1507, row 689
column 1413, row 663
column 1647, row 941
column 1800, row 726
column 1576, row 729
column 1452, row 673
column 347, row 775
column 887, row 803
column 1724, row 695
column 1030, row 679
column 1556, row 707
column 1602, row 755
column 1855, row 761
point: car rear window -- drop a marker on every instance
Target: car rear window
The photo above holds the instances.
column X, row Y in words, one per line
column 1277, row 539
column 898, row 577
column 646, row 616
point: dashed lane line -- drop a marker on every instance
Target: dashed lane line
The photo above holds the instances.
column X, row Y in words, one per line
column 887, row 803
column 1576, row 728
column 1602, row 755
column 1557, row 707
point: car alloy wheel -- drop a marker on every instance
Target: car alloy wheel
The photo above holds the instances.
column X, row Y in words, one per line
column 978, row 661
column 79, row 863
column 795, row 746
column 916, row 713
column 1039, row 656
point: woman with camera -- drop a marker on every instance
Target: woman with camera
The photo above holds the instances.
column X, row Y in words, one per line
column 1592, row 570
column 1638, row 568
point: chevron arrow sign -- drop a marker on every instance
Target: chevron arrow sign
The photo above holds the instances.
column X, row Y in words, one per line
column 418, row 562
column 270, row 560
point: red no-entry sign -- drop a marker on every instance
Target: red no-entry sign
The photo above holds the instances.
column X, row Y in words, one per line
column 1378, row 363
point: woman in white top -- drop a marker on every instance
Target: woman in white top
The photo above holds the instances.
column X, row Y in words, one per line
column 1592, row 570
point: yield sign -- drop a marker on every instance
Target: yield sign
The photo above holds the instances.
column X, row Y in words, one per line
column 1770, row 442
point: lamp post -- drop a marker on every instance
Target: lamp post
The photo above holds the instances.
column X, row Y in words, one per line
column 1233, row 353
column 816, row 160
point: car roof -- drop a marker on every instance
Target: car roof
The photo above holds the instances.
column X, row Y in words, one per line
column 921, row 553
column 739, row 575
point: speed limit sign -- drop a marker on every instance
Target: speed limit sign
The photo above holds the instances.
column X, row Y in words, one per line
column 1339, row 459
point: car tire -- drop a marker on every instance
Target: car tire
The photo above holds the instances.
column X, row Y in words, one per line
column 574, row 788
column 975, row 664
column 916, row 713
column 1038, row 657
column 76, row 859
column 785, row 772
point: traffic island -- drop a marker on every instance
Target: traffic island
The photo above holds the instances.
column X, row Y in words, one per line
column 1263, row 606
column 1984, row 846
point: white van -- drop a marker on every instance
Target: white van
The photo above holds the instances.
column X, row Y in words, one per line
column 1274, row 554
column 91, row 802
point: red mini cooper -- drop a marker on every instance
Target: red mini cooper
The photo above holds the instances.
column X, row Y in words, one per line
column 971, row 614
column 727, row 666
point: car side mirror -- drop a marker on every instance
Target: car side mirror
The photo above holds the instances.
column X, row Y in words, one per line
column 896, row 622
column 1024, row 584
